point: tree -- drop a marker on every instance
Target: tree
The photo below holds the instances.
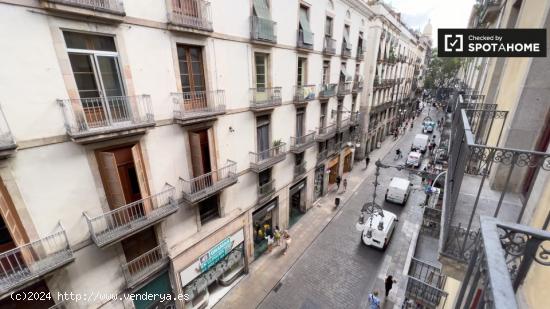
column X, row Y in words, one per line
column 442, row 72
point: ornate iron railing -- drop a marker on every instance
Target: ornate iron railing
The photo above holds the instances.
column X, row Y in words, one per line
column 203, row 186
column 266, row 190
column 143, row 266
column 327, row 90
column 196, row 104
column 329, row 46
column 300, row 43
column 261, row 98
column 264, row 159
column 30, row 261
column 344, row 88
column 325, row 132
column 357, row 86
column 343, row 124
column 262, row 29
column 300, row 143
column 322, row 155
column 304, row 93
column 123, row 221
column 346, row 50
column 503, row 254
column 191, row 13
column 299, row 169
column 88, row 116
column 107, row 6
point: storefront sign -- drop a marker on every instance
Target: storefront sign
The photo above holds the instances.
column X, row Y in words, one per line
column 213, row 256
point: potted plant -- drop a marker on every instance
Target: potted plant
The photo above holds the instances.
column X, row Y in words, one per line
column 276, row 144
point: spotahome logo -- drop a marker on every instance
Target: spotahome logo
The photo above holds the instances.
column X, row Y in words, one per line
column 491, row 43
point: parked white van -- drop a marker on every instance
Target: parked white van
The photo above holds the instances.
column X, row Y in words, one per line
column 414, row 159
column 420, row 142
column 378, row 229
column 398, row 190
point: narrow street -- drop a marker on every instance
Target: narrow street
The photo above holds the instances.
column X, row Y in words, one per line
column 338, row 270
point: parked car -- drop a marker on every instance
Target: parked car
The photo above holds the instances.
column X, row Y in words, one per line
column 414, row 159
column 420, row 142
column 398, row 191
column 428, row 126
column 378, row 229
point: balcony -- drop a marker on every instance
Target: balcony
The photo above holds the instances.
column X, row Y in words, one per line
column 343, row 124
column 104, row 10
column 360, row 55
column 357, row 86
column 325, row 132
column 25, row 264
column 488, row 10
column 198, row 106
column 301, row 143
column 7, row 142
column 264, row 99
column 334, row 148
column 344, row 88
column 124, row 221
column 304, row 40
column 327, row 90
column 144, row 266
column 91, row 120
column 204, row 186
column 190, row 16
column 329, row 46
column 263, row 30
column 355, row 118
column 346, row 50
column 304, row 94
column 425, row 284
column 299, row 170
column 265, row 191
column 322, row 155
column 262, row 160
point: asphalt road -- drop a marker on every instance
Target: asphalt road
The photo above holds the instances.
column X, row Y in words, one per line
column 338, row 270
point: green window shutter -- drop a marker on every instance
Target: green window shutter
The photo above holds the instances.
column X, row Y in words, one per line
column 306, row 30
column 261, row 9
column 159, row 285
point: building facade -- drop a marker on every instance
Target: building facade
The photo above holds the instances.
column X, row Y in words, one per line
column 151, row 146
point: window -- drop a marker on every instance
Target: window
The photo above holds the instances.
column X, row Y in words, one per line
column 347, row 42
column 306, row 36
column 264, row 177
column 260, row 62
column 191, row 68
column 300, row 117
column 326, row 72
column 360, row 43
column 323, row 117
column 328, row 26
column 343, row 74
column 209, row 210
column 262, row 132
column 302, row 66
column 299, row 157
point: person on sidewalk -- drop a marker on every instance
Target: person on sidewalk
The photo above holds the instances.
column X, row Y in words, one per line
column 287, row 240
column 374, row 301
column 345, row 185
column 338, row 180
column 367, row 160
column 388, row 284
column 277, row 236
column 270, row 242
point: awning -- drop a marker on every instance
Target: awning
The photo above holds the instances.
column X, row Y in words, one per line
column 261, row 9
column 306, row 30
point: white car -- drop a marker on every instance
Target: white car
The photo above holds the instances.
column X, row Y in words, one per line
column 414, row 159
column 378, row 229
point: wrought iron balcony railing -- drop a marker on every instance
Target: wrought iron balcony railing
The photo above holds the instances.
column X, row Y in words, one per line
column 305, row 40
column 262, row 160
column 334, row 147
column 199, row 188
column 195, row 106
column 265, row 98
column 346, row 50
column 93, row 116
column 263, row 30
column 7, row 142
column 265, row 191
column 325, row 132
column 124, row 221
column 329, row 46
column 142, row 267
column 322, row 155
column 300, row 143
column 193, row 14
column 344, row 88
column 28, row 262
column 360, row 54
column 355, row 118
column 343, row 124
column 300, row 169
column 502, row 255
column 327, row 90
column 107, row 6
column 425, row 284
column 488, row 10
column 303, row 94
column 357, row 86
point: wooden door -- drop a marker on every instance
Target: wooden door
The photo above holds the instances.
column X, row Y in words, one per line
column 112, row 184
column 186, row 7
column 138, row 244
column 142, row 178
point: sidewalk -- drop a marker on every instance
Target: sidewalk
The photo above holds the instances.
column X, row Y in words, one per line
column 266, row 272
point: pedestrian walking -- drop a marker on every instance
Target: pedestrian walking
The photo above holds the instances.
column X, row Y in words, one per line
column 389, row 284
column 287, row 240
column 367, row 160
column 277, row 236
column 374, row 301
column 345, row 185
column 338, row 180
column 270, row 242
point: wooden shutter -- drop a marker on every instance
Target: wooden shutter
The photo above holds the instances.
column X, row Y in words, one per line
column 142, row 176
column 196, row 155
column 111, row 179
column 11, row 218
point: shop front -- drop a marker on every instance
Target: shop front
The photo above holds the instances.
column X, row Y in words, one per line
column 297, row 202
column 319, row 181
column 264, row 220
column 211, row 276
column 348, row 160
column 158, row 286
column 333, row 166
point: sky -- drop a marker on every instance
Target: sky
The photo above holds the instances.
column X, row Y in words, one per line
column 442, row 13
